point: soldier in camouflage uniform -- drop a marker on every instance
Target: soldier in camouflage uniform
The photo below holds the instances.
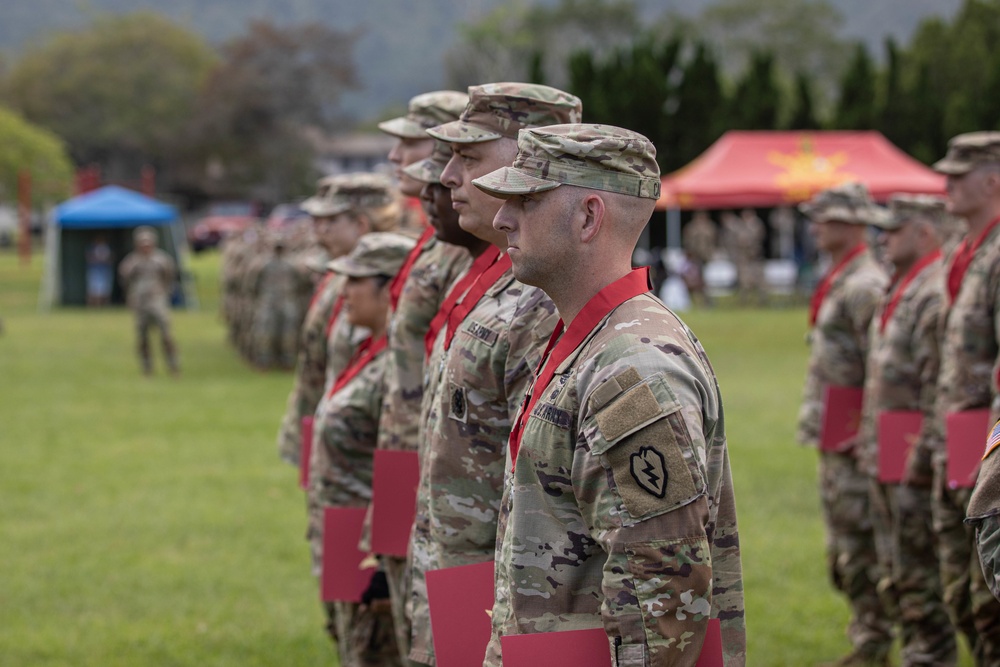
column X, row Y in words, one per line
column 840, row 315
column 415, row 298
column 968, row 377
column 901, row 375
column 148, row 275
column 345, row 208
column 700, row 240
column 340, row 468
column 412, row 141
column 482, row 358
column 618, row 508
column 984, row 513
column 750, row 235
column 276, row 316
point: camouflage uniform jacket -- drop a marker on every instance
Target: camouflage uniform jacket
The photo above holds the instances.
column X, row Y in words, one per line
column 340, row 469
column 471, row 399
column 839, row 340
column 620, row 512
column 903, row 366
column 277, row 284
column 149, row 280
column 969, row 343
column 310, row 371
column 426, row 287
column 984, row 514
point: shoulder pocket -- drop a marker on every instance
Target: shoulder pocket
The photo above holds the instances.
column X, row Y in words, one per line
column 643, row 440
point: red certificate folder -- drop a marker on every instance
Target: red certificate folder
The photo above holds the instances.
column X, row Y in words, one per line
column 570, row 648
column 965, row 436
column 342, row 578
column 461, row 601
column 898, row 431
column 394, row 500
column 305, row 451
column 587, row 648
column 841, row 416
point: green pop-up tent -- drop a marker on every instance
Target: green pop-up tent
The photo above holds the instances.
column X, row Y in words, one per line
column 111, row 212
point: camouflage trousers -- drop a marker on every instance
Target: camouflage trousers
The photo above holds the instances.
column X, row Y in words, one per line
column 146, row 319
column 275, row 336
column 367, row 637
column 911, row 584
column 975, row 612
column 397, row 573
column 851, row 557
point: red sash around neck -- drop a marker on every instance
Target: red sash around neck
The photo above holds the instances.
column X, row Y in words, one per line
column 824, row 285
column 396, row 286
column 367, row 350
column 562, row 345
column 902, row 284
column 479, row 266
column 963, row 258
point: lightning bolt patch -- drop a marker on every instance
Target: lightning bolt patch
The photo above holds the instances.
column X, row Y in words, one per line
column 649, row 470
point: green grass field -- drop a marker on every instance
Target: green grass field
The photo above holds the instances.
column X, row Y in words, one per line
column 148, row 521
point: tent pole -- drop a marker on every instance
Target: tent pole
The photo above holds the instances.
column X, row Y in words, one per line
column 673, row 227
column 51, row 287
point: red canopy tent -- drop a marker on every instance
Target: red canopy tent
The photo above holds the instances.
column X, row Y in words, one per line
column 764, row 169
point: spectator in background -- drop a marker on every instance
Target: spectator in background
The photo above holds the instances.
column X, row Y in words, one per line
column 100, row 262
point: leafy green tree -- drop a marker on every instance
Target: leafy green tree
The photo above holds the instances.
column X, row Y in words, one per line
column 504, row 44
column 27, row 147
column 253, row 122
column 119, row 92
column 855, row 108
column 756, row 99
column 803, row 113
column 697, row 116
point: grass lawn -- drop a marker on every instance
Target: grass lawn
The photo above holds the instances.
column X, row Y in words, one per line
column 148, row 521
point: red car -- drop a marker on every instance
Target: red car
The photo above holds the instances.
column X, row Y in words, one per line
column 223, row 219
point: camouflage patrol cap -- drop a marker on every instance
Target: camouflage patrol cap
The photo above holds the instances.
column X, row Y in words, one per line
column 426, row 111
column 905, row 207
column 599, row 157
column 429, row 169
column 376, row 254
column 360, row 190
column 967, row 151
column 847, row 202
column 498, row 110
column 321, row 203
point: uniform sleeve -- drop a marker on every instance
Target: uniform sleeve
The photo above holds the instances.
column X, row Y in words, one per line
column 994, row 304
column 642, row 490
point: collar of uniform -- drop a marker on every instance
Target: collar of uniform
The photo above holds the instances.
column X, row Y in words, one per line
column 505, row 280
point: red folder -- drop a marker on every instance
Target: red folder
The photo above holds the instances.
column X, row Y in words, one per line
column 570, row 648
column 342, row 578
column 461, row 601
column 394, row 500
column 841, row 416
column 587, row 648
column 305, row 451
column 898, row 431
column 711, row 650
column 965, row 434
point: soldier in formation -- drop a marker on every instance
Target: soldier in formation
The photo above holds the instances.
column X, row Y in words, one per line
column 840, row 316
column 148, row 275
column 618, row 507
column 968, row 377
column 901, row 376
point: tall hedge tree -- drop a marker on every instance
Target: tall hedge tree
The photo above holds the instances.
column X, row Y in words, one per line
column 119, row 92
column 33, row 150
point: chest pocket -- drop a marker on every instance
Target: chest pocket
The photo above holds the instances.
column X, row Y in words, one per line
column 643, row 440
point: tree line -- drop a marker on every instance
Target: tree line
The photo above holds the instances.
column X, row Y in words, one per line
column 235, row 120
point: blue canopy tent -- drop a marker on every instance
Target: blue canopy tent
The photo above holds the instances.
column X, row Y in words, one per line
column 111, row 213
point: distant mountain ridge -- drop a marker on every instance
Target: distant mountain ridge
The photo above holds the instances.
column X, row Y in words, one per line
column 403, row 44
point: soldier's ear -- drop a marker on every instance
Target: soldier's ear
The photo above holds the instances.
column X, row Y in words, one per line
column 594, row 211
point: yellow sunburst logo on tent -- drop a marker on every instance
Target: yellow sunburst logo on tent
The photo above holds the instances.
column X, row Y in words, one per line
column 807, row 171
